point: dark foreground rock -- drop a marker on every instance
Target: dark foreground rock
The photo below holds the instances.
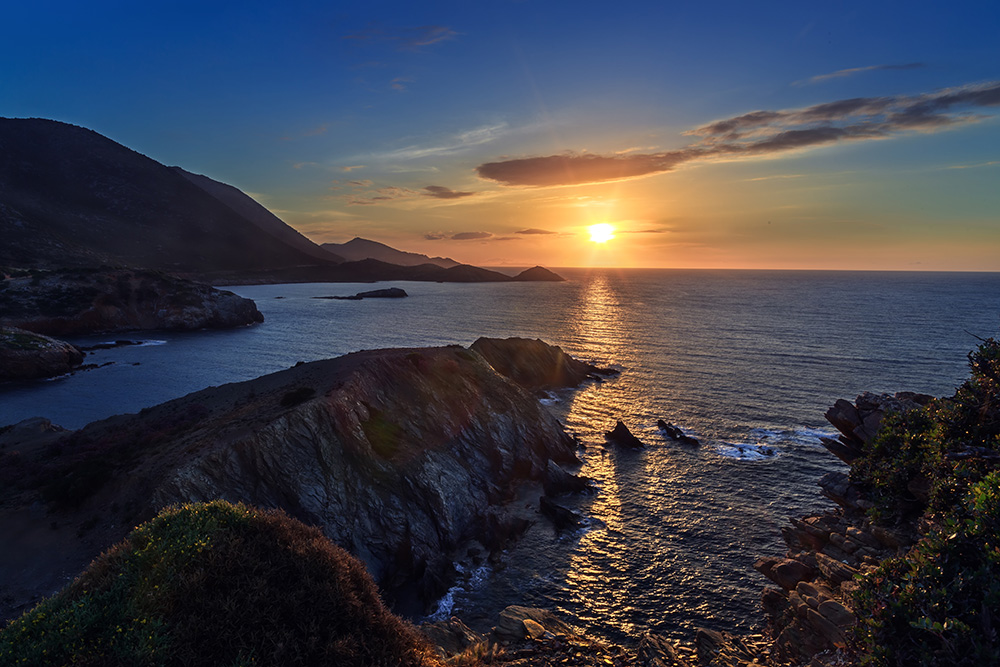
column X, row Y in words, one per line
column 535, row 365
column 400, row 456
column 82, row 301
column 676, row 434
column 29, row 356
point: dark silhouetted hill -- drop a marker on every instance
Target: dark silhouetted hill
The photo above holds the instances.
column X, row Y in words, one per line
column 250, row 209
column 358, row 249
column 71, row 197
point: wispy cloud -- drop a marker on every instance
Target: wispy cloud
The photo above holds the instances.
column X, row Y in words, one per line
column 405, row 39
column 352, row 167
column 761, row 133
column 470, row 236
column 399, row 83
column 978, row 165
column 441, row 192
column 841, row 73
column 450, row 145
column 534, row 231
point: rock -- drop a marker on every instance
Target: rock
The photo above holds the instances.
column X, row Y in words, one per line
column 561, row 517
column 25, row 355
column 387, row 293
column 676, row 434
column 533, row 629
column 533, row 364
column 837, row 614
column 399, row 456
column 833, row 570
column 786, row 572
column 511, row 624
column 558, row 482
column 657, row 651
column 623, row 437
column 83, row 301
column 29, row 431
column 450, row 637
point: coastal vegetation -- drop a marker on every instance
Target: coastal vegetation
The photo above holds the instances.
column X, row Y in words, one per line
column 217, row 584
column 939, row 467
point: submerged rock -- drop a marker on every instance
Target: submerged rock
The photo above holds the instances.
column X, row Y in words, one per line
column 25, row 355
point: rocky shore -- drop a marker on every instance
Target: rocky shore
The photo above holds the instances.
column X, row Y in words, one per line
column 406, row 458
column 25, row 355
column 73, row 302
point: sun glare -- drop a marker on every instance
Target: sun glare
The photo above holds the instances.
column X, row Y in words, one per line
column 601, row 233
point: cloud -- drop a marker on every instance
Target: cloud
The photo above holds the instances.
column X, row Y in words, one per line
column 405, row 39
column 760, row 133
column 435, row 236
column 441, row 192
column 534, row 231
column 399, row 83
column 361, row 184
column 470, row 236
column 857, row 70
column 352, row 167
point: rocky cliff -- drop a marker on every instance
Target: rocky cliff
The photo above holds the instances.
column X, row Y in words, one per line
column 81, row 301
column 28, row 356
column 400, row 456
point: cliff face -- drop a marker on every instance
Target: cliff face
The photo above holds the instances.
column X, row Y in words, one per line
column 28, row 356
column 399, row 456
column 80, row 301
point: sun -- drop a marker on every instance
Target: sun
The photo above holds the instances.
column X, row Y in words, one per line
column 601, row 233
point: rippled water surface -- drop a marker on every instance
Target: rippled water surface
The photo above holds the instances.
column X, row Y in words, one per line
column 745, row 361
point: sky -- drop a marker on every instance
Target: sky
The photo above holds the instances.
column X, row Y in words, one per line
column 784, row 135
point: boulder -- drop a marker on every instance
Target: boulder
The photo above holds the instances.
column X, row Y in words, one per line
column 561, row 517
column 558, row 482
column 623, row 437
column 512, row 626
column 450, row 637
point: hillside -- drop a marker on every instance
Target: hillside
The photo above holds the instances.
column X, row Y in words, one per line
column 358, row 249
column 71, row 197
column 251, row 210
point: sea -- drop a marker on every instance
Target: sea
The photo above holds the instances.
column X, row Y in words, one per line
column 747, row 362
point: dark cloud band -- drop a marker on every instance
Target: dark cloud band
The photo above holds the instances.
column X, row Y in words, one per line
column 760, row 133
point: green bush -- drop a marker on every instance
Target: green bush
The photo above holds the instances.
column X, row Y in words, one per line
column 939, row 604
column 216, row 584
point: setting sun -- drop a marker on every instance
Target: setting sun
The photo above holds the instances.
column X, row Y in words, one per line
column 601, row 233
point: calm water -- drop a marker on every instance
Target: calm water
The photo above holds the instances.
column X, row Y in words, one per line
column 738, row 359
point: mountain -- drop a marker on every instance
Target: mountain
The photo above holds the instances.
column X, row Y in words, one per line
column 71, row 197
column 358, row 249
column 248, row 207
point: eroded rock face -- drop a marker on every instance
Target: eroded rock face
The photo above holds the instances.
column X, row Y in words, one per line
column 28, row 356
column 535, row 365
column 400, row 456
column 81, row 301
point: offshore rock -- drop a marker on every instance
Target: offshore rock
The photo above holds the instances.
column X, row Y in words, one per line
column 82, row 301
column 399, row 456
column 676, row 434
column 535, row 365
column 623, row 437
column 28, row 356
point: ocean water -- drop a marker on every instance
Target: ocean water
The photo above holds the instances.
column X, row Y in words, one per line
column 745, row 361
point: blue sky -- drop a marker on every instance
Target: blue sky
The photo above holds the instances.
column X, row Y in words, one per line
column 498, row 131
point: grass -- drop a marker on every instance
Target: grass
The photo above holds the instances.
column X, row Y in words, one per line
column 217, row 584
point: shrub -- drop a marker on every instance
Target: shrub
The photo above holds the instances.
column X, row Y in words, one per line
column 937, row 604
column 217, row 584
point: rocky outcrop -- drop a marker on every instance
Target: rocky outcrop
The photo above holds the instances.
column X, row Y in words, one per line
column 623, row 437
column 400, row 456
column 83, row 301
column 675, row 434
column 535, row 365
column 388, row 293
column 859, row 421
column 28, row 356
